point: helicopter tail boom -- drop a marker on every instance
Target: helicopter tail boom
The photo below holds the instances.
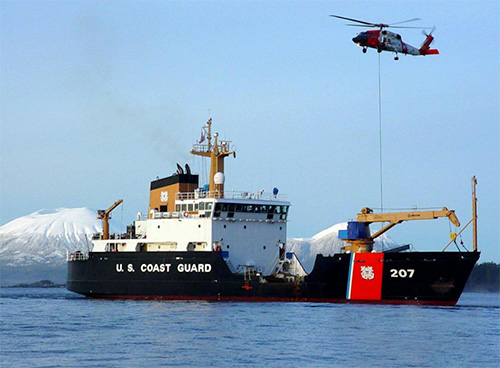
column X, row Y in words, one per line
column 430, row 52
column 425, row 48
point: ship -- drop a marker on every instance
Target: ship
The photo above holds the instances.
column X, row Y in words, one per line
column 200, row 242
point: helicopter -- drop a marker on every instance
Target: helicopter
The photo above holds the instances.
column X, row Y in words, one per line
column 384, row 40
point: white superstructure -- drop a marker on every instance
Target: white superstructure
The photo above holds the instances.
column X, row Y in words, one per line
column 248, row 229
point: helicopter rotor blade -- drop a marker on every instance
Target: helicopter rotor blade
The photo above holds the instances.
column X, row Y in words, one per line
column 409, row 27
column 404, row 21
column 378, row 25
column 363, row 25
column 385, row 26
column 354, row 20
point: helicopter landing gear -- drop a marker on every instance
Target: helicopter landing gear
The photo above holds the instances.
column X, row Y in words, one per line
column 396, row 57
column 364, row 50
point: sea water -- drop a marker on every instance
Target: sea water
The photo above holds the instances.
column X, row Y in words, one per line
column 56, row 328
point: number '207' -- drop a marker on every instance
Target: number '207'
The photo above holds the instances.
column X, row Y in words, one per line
column 402, row 273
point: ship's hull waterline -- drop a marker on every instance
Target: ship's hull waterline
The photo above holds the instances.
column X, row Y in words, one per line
column 423, row 278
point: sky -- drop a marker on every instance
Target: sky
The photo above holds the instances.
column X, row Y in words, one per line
column 98, row 98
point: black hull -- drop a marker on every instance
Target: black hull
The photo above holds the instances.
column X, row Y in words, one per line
column 426, row 278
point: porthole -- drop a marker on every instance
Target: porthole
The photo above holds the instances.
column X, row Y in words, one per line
column 224, row 226
column 264, row 247
column 245, row 226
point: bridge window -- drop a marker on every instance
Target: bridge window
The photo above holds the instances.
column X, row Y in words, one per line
column 217, row 210
column 231, row 208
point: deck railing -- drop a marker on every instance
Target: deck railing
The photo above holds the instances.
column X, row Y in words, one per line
column 76, row 256
column 260, row 195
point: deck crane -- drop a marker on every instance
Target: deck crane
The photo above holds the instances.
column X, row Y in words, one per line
column 105, row 216
column 358, row 234
column 360, row 240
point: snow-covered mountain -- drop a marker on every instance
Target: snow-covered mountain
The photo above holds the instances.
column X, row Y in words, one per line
column 34, row 245
column 44, row 236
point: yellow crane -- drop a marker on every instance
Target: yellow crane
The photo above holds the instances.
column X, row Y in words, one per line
column 360, row 240
column 363, row 241
column 394, row 218
column 105, row 216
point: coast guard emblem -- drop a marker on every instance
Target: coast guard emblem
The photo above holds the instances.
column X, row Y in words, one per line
column 164, row 197
column 367, row 272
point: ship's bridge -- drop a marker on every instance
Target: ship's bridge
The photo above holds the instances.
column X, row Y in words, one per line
column 208, row 204
column 248, row 205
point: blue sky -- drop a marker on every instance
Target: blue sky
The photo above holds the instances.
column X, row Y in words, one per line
column 99, row 98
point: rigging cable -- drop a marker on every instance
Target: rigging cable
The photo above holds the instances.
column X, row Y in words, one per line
column 380, row 133
column 380, row 142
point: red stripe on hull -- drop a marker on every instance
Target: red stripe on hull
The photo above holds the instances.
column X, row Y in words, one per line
column 270, row 299
column 367, row 274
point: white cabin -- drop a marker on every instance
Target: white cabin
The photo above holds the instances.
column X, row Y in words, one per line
column 248, row 229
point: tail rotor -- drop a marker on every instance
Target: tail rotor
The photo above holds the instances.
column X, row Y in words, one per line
column 430, row 33
column 425, row 48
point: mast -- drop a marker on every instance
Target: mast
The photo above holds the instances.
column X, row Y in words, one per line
column 474, row 214
column 217, row 152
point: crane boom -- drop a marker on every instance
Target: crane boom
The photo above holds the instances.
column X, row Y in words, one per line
column 359, row 238
column 104, row 215
column 367, row 216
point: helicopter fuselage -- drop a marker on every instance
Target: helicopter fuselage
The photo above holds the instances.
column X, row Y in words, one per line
column 384, row 40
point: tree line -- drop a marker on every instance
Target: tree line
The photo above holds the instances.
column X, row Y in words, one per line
column 485, row 277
